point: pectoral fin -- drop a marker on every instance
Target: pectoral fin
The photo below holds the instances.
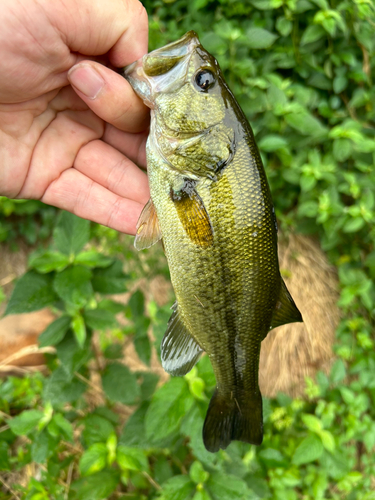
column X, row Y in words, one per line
column 193, row 214
column 148, row 230
column 286, row 310
column 179, row 350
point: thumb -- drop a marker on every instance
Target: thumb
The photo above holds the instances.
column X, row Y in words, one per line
column 109, row 95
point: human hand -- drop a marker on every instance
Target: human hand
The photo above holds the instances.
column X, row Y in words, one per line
column 75, row 150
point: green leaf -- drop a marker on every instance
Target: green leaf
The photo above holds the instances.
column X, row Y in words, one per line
column 259, row 38
column 312, row 423
column 98, row 486
column 309, row 450
column 353, row 225
column 142, row 345
column 284, row 26
column 149, row 382
column 73, row 286
column 168, row 406
column 31, row 293
column 43, row 446
column 119, row 384
column 79, row 330
column 134, row 433
column 272, row 143
column 26, row 422
column 71, row 355
column 4, row 456
column 71, row 233
column 306, row 124
column 178, row 488
column 61, row 426
column 97, row 429
column 110, row 280
column 94, row 459
column 60, row 389
column 49, row 261
column 132, row 459
column 137, row 304
column 338, row 371
column 227, row 487
column 339, row 84
column 272, row 458
column 54, row 332
column 197, row 473
column 328, row 440
column 342, row 149
column 99, row 319
column 92, row 258
column 312, row 33
column 202, row 495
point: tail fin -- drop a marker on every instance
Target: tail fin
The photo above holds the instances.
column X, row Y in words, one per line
column 233, row 418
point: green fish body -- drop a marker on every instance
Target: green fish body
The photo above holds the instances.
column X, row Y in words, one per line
column 211, row 206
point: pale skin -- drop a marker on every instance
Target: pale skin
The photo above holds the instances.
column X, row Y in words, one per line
column 72, row 131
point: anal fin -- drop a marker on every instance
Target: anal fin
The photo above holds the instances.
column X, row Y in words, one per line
column 179, row 350
column 286, row 310
column 148, row 230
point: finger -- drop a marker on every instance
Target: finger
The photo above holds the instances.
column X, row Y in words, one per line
column 109, row 95
column 75, row 192
column 57, row 148
column 105, row 165
column 131, row 145
column 94, row 28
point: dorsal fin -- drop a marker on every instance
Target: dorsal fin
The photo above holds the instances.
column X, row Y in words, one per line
column 193, row 214
column 179, row 350
column 148, row 230
column 286, row 310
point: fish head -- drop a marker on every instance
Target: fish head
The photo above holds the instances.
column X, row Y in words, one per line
column 183, row 84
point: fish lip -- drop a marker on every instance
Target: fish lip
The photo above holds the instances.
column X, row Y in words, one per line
column 146, row 86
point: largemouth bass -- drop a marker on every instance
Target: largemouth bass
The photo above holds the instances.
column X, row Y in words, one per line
column 211, row 206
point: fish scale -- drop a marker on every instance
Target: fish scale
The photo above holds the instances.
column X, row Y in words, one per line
column 211, row 205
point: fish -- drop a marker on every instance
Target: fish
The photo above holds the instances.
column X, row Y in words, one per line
column 211, row 206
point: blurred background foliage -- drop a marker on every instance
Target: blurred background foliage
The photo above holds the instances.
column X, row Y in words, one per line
column 303, row 72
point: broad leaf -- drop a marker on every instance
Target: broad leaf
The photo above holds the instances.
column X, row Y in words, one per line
column 168, row 406
column 73, row 285
column 259, row 38
column 54, row 332
column 49, row 261
column 310, row 449
column 178, row 488
column 97, row 429
column 98, row 486
column 110, row 279
column 71, row 233
column 31, row 293
column 120, row 384
column 26, row 422
column 94, row 459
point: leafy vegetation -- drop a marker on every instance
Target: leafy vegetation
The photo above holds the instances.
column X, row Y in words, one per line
column 303, row 73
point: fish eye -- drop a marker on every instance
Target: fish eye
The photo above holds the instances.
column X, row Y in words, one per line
column 205, row 79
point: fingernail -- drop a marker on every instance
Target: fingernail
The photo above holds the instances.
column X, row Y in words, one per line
column 86, row 79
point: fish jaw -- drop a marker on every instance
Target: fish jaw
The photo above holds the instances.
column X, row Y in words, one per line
column 162, row 70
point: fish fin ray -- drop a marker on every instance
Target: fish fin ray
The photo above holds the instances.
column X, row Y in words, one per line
column 233, row 419
column 193, row 214
column 286, row 310
column 148, row 230
column 179, row 350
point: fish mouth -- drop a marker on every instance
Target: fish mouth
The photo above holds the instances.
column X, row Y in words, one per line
column 162, row 70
